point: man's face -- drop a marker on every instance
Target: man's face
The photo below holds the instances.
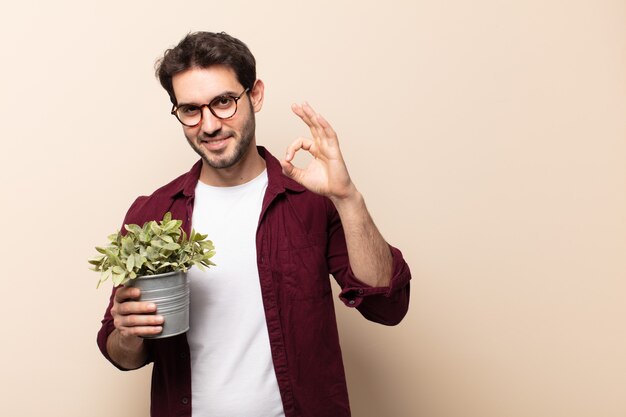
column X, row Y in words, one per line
column 221, row 143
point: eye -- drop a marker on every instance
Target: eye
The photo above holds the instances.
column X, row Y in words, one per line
column 188, row 110
column 222, row 102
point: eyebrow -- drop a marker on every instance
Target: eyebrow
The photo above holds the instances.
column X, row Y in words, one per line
column 228, row 93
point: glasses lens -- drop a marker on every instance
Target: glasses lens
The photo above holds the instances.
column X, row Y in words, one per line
column 189, row 114
column 223, row 106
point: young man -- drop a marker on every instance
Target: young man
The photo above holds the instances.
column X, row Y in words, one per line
column 263, row 339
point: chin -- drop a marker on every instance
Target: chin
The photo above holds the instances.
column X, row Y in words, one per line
column 227, row 160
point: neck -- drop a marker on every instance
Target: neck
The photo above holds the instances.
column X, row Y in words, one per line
column 246, row 169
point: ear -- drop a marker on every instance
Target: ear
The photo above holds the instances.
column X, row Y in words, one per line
column 256, row 95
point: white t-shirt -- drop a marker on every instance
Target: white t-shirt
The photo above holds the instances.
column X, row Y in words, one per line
column 232, row 374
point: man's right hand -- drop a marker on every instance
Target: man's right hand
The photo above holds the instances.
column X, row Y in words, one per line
column 132, row 319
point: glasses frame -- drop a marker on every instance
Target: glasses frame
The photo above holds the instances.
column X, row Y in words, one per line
column 208, row 106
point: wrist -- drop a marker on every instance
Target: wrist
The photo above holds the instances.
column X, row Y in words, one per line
column 127, row 351
column 128, row 343
column 349, row 201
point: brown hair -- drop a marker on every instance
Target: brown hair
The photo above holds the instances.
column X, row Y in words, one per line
column 202, row 50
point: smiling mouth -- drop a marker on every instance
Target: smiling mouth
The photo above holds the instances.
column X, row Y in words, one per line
column 215, row 140
column 218, row 144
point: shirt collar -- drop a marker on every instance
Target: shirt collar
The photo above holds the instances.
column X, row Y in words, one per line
column 276, row 180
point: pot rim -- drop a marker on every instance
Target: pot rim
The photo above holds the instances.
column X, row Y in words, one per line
column 164, row 274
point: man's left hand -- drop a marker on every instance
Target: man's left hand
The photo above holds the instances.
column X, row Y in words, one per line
column 326, row 174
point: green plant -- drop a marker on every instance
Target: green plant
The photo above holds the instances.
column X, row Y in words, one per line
column 155, row 248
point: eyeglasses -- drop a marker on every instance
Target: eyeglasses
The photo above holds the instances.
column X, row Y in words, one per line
column 222, row 107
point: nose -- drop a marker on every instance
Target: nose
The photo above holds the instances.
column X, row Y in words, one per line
column 209, row 124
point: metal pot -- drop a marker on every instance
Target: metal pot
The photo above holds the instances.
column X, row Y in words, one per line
column 170, row 293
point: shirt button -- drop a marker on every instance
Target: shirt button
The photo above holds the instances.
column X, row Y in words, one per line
column 360, row 291
column 185, row 400
column 351, row 302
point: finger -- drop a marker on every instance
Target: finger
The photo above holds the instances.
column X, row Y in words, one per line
column 138, row 320
column 149, row 331
column 326, row 127
column 320, row 125
column 291, row 171
column 299, row 110
column 317, row 120
column 136, row 307
column 127, row 293
column 141, row 331
column 307, row 109
column 311, row 114
column 296, row 145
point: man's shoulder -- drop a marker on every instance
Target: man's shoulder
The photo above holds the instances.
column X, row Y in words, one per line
column 154, row 205
column 172, row 188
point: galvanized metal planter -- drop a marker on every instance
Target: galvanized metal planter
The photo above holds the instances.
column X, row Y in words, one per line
column 170, row 293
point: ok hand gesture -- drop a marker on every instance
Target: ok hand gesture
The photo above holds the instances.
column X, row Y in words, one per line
column 326, row 174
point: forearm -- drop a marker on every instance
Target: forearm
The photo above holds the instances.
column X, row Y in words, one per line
column 368, row 252
column 129, row 352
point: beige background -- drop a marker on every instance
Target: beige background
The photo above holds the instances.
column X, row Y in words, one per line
column 489, row 139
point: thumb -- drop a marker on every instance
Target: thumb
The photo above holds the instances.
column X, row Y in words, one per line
column 291, row 171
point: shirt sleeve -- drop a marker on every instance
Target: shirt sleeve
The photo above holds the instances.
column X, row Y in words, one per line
column 384, row 305
column 107, row 325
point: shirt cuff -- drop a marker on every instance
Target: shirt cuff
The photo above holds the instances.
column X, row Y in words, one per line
column 355, row 290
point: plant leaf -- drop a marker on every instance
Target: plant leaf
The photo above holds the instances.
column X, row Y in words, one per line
column 154, row 247
column 154, row 227
column 133, row 228
column 130, row 263
column 171, row 246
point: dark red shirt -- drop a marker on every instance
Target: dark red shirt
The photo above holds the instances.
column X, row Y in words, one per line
column 300, row 241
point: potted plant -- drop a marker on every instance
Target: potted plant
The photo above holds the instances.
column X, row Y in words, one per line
column 155, row 258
